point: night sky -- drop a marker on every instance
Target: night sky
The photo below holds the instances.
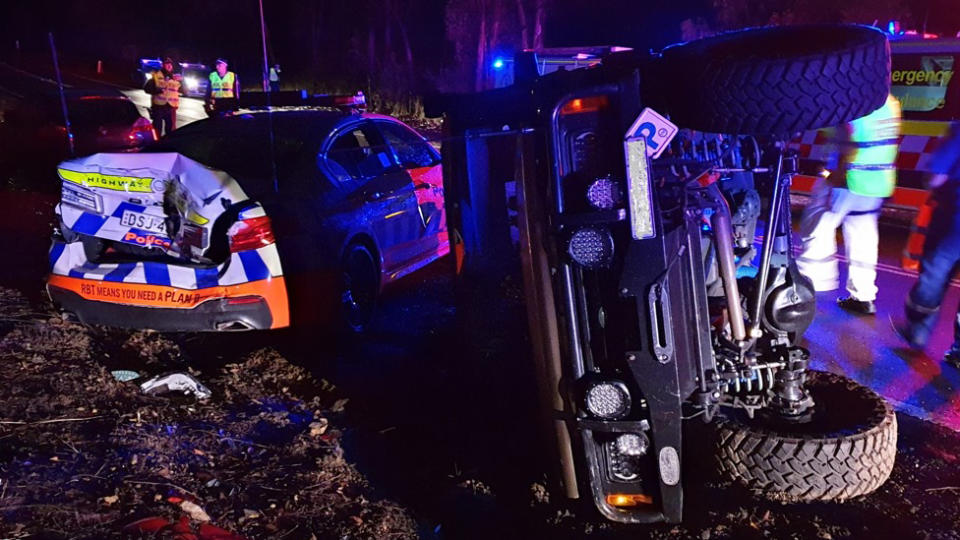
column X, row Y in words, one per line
column 326, row 40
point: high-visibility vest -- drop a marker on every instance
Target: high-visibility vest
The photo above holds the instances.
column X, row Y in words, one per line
column 871, row 166
column 169, row 90
column 222, row 88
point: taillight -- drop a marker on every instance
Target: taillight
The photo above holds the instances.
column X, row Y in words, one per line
column 252, row 233
column 142, row 131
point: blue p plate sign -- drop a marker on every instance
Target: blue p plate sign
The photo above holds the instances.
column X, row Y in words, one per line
column 656, row 130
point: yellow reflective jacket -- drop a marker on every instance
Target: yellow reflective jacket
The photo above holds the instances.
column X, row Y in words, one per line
column 168, row 91
column 871, row 151
column 222, row 87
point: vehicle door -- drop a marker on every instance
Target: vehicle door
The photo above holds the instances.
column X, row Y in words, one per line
column 422, row 163
column 380, row 198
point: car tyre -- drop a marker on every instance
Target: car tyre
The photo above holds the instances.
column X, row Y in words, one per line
column 846, row 449
column 773, row 81
column 360, row 287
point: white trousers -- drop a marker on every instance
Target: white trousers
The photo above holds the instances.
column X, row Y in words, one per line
column 829, row 208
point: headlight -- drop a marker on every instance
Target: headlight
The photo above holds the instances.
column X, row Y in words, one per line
column 191, row 83
column 607, row 399
column 591, row 247
column 605, row 193
column 625, row 455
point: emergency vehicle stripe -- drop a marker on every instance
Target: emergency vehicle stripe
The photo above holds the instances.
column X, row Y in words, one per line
column 88, row 266
column 120, row 272
column 206, row 277
column 253, row 266
column 88, row 224
column 55, row 252
column 127, row 206
column 156, row 273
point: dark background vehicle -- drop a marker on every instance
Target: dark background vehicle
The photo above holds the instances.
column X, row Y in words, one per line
column 353, row 202
column 35, row 134
column 639, row 314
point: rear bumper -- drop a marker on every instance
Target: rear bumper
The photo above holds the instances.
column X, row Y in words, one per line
column 256, row 305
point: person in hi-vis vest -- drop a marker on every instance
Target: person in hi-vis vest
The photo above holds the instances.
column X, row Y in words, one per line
column 863, row 175
column 223, row 84
column 164, row 90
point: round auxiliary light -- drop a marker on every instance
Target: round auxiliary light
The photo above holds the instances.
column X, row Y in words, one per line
column 633, row 444
column 608, row 400
column 591, row 247
column 605, row 193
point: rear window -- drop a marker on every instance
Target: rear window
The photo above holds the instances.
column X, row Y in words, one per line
column 242, row 149
column 926, row 85
column 102, row 112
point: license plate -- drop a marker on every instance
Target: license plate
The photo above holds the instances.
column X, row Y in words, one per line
column 146, row 222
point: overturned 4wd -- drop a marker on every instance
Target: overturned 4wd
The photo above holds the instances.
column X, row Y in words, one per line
column 648, row 300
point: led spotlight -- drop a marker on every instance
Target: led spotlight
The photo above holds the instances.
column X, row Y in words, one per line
column 607, row 399
column 605, row 193
column 591, row 247
column 633, row 444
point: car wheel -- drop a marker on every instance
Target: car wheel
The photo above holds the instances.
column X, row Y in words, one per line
column 844, row 449
column 360, row 287
column 772, row 80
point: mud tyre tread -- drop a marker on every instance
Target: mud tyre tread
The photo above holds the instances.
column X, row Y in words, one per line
column 775, row 81
column 812, row 468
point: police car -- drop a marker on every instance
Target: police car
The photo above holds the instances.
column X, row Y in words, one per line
column 255, row 220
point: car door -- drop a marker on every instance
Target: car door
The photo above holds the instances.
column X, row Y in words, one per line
column 422, row 163
column 379, row 196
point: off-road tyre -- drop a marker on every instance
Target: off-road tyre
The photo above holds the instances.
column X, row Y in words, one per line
column 853, row 458
column 773, row 81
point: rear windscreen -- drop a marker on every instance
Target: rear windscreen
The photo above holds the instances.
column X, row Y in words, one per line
column 243, row 150
column 102, row 112
column 926, row 85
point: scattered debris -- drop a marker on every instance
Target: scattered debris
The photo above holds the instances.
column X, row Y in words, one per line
column 124, row 375
column 194, row 511
column 176, row 382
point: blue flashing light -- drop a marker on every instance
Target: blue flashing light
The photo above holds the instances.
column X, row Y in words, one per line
column 498, row 63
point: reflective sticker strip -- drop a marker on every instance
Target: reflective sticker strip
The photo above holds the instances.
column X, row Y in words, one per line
column 120, row 272
column 124, row 205
column 88, row 223
column 156, row 273
column 273, row 291
column 56, row 250
column 206, row 277
column 108, row 181
column 271, row 258
column 253, row 265
column 252, row 212
column 86, row 268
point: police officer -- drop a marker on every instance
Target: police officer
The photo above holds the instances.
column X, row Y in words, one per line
column 274, row 77
column 164, row 88
column 864, row 175
column 223, row 84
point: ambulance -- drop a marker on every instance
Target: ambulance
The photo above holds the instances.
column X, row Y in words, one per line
column 922, row 77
